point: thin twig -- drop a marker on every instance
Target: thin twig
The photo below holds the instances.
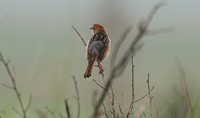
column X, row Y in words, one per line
column 120, row 109
column 78, row 98
column 101, row 86
column 67, row 109
column 29, row 103
column 133, row 87
column 150, row 97
column 112, row 98
column 133, row 90
column 14, row 87
column 104, row 108
column 79, row 35
column 132, row 50
column 144, row 95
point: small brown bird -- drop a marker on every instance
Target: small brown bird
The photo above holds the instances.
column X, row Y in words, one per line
column 97, row 49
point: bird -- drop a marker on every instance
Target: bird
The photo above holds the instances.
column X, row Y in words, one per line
column 97, row 49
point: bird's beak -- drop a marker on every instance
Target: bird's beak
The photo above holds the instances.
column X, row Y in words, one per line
column 91, row 27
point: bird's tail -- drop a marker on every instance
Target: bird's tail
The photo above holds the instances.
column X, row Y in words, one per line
column 88, row 71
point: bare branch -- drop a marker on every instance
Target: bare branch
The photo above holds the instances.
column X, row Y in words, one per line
column 118, row 69
column 78, row 98
column 133, row 87
column 67, row 109
column 79, row 35
column 133, row 90
column 144, row 95
column 150, row 97
column 14, row 85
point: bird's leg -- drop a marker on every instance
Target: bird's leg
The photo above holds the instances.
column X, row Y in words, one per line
column 101, row 68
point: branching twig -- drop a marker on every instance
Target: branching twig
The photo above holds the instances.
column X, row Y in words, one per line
column 101, row 86
column 110, row 97
column 15, row 88
column 144, row 95
column 79, row 35
column 67, row 109
column 78, row 98
column 118, row 69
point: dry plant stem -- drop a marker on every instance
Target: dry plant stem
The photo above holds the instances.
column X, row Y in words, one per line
column 133, row 90
column 101, row 86
column 120, row 66
column 79, row 35
column 78, row 98
column 144, row 95
column 104, row 108
column 15, row 88
column 120, row 109
column 67, row 109
column 149, row 95
column 112, row 98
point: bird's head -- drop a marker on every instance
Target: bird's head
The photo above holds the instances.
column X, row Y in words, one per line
column 96, row 28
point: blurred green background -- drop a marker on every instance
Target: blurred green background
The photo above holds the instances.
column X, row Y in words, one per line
column 45, row 51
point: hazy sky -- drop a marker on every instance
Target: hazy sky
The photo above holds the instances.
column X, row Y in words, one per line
column 37, row 36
